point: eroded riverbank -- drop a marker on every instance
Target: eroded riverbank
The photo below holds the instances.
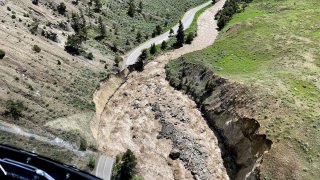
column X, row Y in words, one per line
column 154, row 120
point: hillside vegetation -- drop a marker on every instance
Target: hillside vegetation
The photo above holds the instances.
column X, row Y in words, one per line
column 164, row 13
column 44, row 88
column 272, row 49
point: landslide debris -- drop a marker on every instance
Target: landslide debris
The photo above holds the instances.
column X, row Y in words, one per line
column 162, row 126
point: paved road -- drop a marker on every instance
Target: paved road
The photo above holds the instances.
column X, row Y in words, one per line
column 187, row 19
column 104, row 167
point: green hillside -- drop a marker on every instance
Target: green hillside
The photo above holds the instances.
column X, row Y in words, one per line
column 123, row 29
column 273, row 48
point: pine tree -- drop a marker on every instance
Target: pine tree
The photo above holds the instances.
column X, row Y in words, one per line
column 180, row 36
column 153, row 49
column 75, row 24
column 114, row 47
column 128, row 166
column 102, row 28
column 144, row 55
column 164, row 45
column 139, row 37
column 132, row 8
column 98, row 6
column 90, row 2
column 83, row 34
column 140, row 6
column 35, row 2
column 78, row 23
column 73, row 44
column 154, row 33
column 190, row 38
column 222, row 21
column 158, row 30
column 128, row 42
column 62, row 8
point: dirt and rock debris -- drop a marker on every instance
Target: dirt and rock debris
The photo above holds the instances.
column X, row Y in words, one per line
column 161, row 125
column 229, row 109
column 185, row 148
column 155, row 124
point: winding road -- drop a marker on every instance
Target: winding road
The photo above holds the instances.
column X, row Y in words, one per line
column 187, row 19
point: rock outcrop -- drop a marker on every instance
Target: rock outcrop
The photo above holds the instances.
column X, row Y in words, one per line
column 64, row 25
column 53, row 36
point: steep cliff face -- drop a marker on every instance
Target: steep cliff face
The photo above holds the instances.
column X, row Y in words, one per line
column 228, row 110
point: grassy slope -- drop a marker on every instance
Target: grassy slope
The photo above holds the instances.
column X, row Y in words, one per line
column 274, row 47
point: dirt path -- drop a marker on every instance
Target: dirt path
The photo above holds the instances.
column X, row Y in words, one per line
column 154, row 120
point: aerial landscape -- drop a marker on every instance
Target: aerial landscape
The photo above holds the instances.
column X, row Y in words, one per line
column 160, row 89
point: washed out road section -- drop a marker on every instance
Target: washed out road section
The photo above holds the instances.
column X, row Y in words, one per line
column 155, row 121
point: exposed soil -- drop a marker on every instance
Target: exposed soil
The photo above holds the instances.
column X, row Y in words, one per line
column 156, row 121
column 229, row 109
column 52, row 84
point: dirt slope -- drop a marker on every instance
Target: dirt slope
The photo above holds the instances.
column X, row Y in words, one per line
column 151, row 118
column 51, row 84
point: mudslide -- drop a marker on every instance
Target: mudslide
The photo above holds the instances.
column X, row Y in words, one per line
column 162, row 126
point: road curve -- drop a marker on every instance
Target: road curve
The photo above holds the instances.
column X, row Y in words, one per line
column 187, row 19
column 104, row 167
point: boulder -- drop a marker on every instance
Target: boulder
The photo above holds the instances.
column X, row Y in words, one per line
column 174, row 154
column 64, row 25
column 75, row 2
column 53, row 36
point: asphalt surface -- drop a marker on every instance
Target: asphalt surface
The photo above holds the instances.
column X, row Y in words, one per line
column 104, row 167
column 187, row 19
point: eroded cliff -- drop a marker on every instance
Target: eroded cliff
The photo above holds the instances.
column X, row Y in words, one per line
column 229, row 110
